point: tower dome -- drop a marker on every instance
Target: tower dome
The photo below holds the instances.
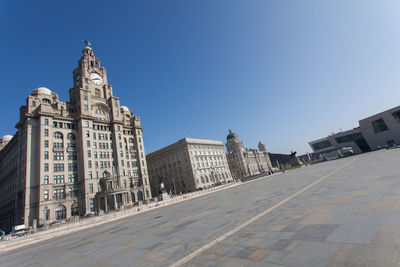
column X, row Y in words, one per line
column 7, row 137
column 125, row 108
column 231, row 135
column 42, row 90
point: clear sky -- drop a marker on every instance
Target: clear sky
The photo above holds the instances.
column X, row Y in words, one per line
column 283, row 72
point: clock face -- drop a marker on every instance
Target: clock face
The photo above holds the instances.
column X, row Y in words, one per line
column 96, row 78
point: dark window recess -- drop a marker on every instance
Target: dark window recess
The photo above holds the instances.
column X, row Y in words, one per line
column 379, row 126
column 358, row 138
column 396, row 115
column 321, row 145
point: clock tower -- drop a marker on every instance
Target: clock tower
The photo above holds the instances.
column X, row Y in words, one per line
column 112, row 142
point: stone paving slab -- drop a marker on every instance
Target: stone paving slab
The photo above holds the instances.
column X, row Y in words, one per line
column 342, row 221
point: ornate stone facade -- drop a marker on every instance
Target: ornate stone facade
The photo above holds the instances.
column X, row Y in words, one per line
column 246, row 162
column 73, row 158
column 188, row 165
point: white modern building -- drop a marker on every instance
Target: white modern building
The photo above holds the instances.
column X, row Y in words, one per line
column 374, row 132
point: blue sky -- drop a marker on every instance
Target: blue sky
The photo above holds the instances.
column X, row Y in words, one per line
column 284, row 72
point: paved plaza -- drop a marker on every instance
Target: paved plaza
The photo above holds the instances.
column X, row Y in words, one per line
column 344, row 212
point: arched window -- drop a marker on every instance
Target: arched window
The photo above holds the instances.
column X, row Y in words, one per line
column 58, row 135
column 97, row 92
column 61, row 212
column 133, row 197
column 45, row 100
column 131, row 140
column 75, row 209
column 202, row 179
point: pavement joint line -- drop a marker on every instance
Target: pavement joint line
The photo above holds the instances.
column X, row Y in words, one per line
column 240, row 227
column 4, row 248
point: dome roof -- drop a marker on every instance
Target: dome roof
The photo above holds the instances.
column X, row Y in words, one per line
column 42, row 90
column 7, row 137
column 231, row 135
column 125, row 108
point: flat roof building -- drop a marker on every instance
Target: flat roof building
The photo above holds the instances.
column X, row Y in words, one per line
column 374, row 132
column 188, row 165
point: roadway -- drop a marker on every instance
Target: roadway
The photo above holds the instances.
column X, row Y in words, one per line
column 344, row 212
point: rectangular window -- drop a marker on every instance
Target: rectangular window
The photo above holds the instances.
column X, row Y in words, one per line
column 46, row 195
column 58, row 167
column 89, row 164
column 90, row 188
column 59, row 179
column 46, row 214
column 46, row 143
column 46, row 167
column 71, row 178
column 88, row 143
column 46, row 132
column 379, row 126
column 46, row 155
column 58, row 156
column 396, row 115
column 321, row 145
column 89, row 154
column 46, row 121
column 46, row 179
column 85, row 107
column 90, row 175
column 92, row 205
column 59, row 193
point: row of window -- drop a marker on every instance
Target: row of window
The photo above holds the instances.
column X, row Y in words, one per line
column 59, row 179
column 62, row 125
column 60, row 194
column 58, row 145
column 59, row 167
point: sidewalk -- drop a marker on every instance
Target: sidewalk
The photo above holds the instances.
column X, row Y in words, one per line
column 85, row 223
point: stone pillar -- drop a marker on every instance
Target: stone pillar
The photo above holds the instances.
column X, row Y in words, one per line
column 129, row 197
column 98, row 203
column 105, row 204
column 123, row 196
column 115, row 201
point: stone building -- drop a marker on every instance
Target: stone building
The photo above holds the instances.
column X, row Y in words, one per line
column 246, row 162
column 188, row 165
column 72, row 158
